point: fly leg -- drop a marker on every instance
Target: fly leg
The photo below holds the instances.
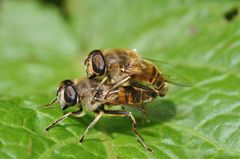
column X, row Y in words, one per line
column 101, row 96
column 50, row 104
column 97, row 94
column 91, row 125
column 78, row 113
column 117, row 84
column 134, row 124
column 143, row 110
column 101, row 83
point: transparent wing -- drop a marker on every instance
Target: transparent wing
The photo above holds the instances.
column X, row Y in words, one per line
column 169, row 74
column 158, row 110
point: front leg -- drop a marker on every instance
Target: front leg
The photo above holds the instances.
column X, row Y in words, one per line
column 50, row 104
column 100, row 113
column 78, row 113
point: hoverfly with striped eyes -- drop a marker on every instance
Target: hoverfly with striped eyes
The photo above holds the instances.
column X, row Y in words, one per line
column 80, row 93
column 125, row 66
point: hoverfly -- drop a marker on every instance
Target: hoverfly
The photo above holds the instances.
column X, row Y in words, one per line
column 80, row 93
column 124, row 66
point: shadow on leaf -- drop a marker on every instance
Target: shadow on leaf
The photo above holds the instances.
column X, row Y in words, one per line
column 157, row 112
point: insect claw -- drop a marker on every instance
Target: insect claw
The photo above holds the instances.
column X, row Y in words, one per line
column 81, row 140
column 150, row 150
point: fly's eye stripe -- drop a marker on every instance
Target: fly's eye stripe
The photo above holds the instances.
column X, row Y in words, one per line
column 98, row 63
column 70, row 95
column 63, row 84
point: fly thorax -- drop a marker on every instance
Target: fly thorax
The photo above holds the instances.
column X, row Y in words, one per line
column 90, row 104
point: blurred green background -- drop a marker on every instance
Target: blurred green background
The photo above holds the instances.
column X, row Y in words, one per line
column 43, row 42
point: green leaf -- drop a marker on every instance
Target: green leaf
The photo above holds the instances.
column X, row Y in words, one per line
column 39, row 48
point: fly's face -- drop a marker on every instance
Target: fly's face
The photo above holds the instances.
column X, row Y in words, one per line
column 67, row 94
column 96, row 65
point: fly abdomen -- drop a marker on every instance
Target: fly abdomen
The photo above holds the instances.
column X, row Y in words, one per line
column 131, row 95
column 150, row 74
column 144, row 94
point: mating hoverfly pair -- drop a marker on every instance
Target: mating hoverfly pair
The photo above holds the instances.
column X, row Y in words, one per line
column 115, row 77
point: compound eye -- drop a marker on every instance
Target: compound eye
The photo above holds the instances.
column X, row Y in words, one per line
column 98, row 63
column 70, row 95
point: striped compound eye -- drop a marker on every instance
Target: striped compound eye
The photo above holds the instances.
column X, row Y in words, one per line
column 67, row 94
column 70, row 95
column 96, row 64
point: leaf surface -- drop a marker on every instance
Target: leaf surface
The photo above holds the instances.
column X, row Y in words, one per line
column 39, row 48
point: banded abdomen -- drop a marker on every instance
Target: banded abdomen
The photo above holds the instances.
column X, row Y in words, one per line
column 131, row 95
column 152, row 76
